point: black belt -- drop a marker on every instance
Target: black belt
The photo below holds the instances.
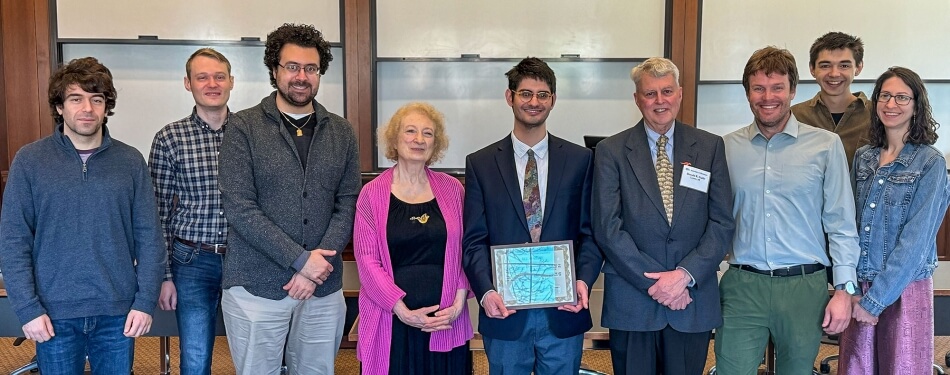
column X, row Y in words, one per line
column 801, row 269
column 217, row 248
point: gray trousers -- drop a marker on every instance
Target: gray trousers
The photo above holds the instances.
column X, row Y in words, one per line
column 258, row 329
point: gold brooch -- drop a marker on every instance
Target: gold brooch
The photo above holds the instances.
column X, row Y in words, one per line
column 421, row 219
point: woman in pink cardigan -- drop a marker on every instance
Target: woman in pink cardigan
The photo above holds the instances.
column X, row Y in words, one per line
column 407, row 240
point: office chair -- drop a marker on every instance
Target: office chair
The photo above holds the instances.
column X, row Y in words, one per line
column 27, row 368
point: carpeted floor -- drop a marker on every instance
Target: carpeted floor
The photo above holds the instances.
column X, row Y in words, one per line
column 147, row 357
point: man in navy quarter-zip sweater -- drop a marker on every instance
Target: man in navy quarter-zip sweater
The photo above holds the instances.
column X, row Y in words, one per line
column 80, row 244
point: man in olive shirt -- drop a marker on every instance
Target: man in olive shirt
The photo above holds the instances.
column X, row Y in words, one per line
column 834, row 60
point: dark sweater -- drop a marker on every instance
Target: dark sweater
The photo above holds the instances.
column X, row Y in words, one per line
column 80, row 239
column 276, row 209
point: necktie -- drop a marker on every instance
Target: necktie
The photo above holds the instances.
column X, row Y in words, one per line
column 664, row 176
column 531, row 198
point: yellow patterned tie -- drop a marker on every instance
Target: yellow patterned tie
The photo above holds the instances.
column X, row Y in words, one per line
column 664, row 176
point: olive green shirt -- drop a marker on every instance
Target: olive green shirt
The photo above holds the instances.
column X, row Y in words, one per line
column 852, row 128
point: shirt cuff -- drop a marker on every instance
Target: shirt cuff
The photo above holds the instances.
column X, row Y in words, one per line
column 484, row 295
column 692, row 280
column 844, row 274
column 301, row 261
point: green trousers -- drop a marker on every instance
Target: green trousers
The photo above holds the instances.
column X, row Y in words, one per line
column 755, row 306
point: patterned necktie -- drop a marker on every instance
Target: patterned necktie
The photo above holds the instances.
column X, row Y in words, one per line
column 531, row 198
column 664, row 176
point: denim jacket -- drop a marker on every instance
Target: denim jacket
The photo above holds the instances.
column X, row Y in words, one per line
column 899, row 209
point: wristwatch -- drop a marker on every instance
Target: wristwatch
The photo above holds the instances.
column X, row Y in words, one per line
column 847, row 287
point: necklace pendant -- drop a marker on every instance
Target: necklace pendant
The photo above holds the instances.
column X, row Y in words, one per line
column 299, row 133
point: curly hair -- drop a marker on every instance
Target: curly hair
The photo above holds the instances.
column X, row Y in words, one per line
column 923, row 127
column 531, row 67
column 87, row 73
column 770, row 60
column 389, row 135
column 301, row 35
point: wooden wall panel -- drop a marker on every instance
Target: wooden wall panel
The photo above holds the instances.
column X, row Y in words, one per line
column 359, row 101
column 943, row 239
column 26, row 69
column 684, row 52
column 4, row 148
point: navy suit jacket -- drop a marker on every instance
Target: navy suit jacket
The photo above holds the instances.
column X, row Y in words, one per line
column 630, row 227
column 494, row 215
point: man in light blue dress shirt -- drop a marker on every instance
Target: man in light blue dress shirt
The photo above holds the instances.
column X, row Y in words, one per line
column 791, row 187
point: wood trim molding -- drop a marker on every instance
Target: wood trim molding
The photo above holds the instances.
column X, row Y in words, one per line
column 25, row 43
column 359, row 101
column 943, row 238
column 3, row 183
column 5, row 155
column 685, row 53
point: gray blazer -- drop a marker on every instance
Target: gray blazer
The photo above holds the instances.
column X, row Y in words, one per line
column 276, row 210
column 630, row 226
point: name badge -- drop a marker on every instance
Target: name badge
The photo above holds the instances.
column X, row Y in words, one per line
column 695, row 178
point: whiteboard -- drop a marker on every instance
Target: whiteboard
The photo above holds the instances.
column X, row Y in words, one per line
column 911, row 33
column 192, row 19
column 151, row 91
column 593, row 98
column 503, row 28
column 723, row 108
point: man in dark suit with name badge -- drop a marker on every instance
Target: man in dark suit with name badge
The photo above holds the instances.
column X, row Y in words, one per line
column 530, row 187
column 663, row 217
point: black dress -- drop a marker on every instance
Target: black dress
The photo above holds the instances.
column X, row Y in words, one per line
column 416, row 237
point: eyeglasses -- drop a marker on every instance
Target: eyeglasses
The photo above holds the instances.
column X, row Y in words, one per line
column 311, row 69
column 526, row 95
column 900, row 99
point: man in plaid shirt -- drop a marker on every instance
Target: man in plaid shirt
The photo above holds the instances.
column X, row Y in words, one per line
column 184, row 168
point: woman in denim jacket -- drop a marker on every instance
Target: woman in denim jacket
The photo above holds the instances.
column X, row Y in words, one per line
column 900, row 183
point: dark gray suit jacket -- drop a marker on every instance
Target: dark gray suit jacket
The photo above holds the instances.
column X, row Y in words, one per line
column 630, row 227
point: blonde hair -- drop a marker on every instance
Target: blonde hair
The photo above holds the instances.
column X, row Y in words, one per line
column 657, row 67
column 389, row 134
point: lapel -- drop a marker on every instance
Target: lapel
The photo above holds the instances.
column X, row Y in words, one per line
column 505, row 160
column 556, row 162
column 641, row 161
column 684, row 151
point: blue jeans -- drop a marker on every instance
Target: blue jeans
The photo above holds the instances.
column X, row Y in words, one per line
column 100, row 337
column 197, row 277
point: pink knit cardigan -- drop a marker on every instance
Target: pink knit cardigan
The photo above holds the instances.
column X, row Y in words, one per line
column 378, row 292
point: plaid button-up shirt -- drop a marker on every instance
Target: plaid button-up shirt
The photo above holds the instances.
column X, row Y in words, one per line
column 184, row 167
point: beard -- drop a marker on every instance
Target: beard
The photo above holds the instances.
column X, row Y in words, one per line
column 295, row 99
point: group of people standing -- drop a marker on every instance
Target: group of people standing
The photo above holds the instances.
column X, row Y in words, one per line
column 253, row 209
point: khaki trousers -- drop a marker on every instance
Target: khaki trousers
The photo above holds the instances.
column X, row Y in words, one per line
column 258, row 329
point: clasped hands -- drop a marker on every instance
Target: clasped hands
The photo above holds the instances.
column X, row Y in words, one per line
column 317, row 270
column 670, row 288
column 419, row 318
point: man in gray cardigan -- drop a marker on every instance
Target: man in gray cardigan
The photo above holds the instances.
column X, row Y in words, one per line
column 289, row 177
